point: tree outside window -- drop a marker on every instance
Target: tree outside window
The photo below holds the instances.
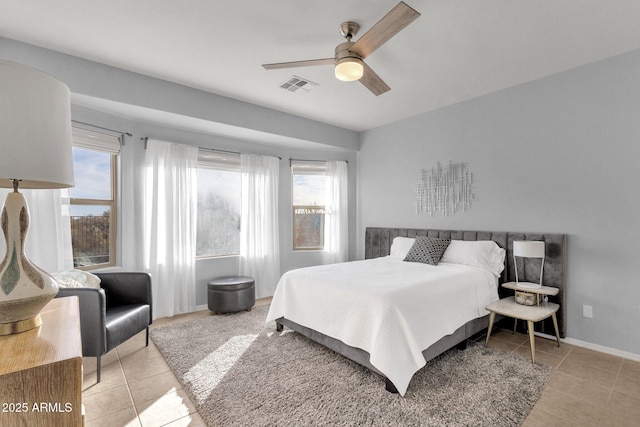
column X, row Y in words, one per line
column 308, row 191
column 218, row 229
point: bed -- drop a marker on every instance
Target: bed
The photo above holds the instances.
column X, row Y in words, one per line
column 392, row 316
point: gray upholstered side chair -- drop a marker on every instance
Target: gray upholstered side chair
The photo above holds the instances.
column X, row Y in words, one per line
column 113, row 313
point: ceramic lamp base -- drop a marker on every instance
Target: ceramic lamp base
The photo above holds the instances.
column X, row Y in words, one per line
column 24, row 288
column 12, row 314
column 20, row 326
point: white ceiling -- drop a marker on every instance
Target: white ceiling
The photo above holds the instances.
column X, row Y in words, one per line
column 457, row 49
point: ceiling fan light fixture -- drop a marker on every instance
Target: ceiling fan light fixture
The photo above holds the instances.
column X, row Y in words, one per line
column 349, row 69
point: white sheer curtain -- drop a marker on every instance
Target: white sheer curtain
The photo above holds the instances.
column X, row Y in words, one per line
column 259, row 244
column 170, row 203
column 336, row 222
column 48, row 242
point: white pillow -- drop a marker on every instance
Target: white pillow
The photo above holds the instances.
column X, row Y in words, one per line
column 76, row 279
column 401, row 246
column 480, row 253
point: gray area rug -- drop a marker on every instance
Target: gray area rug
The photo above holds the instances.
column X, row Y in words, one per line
column 240, row 372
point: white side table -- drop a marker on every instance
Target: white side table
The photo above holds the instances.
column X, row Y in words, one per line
column 543, row 290
column 538, row 291
column 531, row 313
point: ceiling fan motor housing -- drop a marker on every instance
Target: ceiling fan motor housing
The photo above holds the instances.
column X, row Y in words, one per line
column 342, row 51
column 348, row 64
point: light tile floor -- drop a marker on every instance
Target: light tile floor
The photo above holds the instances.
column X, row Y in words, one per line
column 588, row 388
column 137, row 388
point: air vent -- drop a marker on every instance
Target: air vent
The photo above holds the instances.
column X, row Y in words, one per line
column 295, row 83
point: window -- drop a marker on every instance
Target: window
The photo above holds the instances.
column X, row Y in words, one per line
column 308, row 194
column 219, row 190
column 93, row 206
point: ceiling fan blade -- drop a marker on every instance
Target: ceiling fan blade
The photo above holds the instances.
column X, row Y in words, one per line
column 390, row 25
column 307, row 63
column 373, row 82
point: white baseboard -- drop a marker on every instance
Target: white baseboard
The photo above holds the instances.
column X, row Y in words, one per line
column 201, row 307
column 595, row 347
column 603, row 349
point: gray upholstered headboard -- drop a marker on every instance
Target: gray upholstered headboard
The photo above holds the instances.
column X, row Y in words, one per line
column 378, row 243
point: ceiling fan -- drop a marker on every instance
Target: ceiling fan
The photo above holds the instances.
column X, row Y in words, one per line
column 348, row 59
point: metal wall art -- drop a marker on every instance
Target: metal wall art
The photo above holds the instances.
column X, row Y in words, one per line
column 444, row 189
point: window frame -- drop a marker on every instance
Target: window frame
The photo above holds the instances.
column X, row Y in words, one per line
column 218, row 160
column 90, row 140
column 307, row 167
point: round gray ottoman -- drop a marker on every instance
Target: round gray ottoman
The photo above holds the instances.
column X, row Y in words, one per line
column 231, row 294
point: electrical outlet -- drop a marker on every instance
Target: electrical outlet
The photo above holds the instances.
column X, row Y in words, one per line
column 587, row 311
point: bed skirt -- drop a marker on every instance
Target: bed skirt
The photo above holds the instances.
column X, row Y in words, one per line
column 361, row 357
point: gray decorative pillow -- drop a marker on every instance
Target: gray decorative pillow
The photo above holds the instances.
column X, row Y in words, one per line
column 427, row 250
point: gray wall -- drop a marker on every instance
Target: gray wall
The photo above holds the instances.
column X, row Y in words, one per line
column 131, row 89
column 560, row 154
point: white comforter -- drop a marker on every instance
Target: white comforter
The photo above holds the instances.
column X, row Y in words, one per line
column 390, row 308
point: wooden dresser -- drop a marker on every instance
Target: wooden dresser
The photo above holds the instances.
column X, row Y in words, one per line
column 41, row 370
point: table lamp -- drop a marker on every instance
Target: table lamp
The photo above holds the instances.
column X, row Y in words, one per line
column 35, row 141
column 528, row 249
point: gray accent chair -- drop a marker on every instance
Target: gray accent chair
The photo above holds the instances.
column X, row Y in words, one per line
column 113, row 313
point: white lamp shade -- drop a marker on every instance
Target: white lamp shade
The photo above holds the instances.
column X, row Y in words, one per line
column 349, row 69
column 528, row 249
column 35, row 129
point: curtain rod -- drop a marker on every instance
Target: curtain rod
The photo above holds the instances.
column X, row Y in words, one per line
column 219, row 151
column 100, row 127
column 216, row 150
column 315, row 161
column 146, row 139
